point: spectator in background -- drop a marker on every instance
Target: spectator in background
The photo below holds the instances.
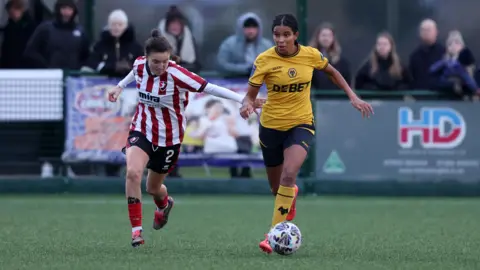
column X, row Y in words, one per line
column 17, row 32
column 423, row 57
column 324, row 39
column 383, row 70
column 238, row 52
column 60, row 43
column 117, row 49
column 175, row 28
column 454, row 72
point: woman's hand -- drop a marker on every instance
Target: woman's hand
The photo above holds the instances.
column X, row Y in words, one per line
column 114, row 93
column 248, row 107
column 365, row 108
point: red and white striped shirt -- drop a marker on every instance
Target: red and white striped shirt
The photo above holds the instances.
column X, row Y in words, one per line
column 162, row 101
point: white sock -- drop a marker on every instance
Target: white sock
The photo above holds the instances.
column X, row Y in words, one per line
column 139, row 228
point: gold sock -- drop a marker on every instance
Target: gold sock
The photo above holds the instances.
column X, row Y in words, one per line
column 283, row 203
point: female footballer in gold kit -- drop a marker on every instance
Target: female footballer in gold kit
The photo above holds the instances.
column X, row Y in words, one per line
column 287, row 125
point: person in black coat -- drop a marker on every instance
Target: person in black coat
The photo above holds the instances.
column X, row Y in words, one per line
column 117, row 49
column 16, row 33
column 424, row 56
column 383, row 70
column 61, row 43
column 324, row 39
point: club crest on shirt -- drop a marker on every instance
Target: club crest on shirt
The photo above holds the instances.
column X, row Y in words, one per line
column 163, row 85
column 292, row 73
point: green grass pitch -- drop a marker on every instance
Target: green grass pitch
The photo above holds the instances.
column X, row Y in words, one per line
column 93, row 232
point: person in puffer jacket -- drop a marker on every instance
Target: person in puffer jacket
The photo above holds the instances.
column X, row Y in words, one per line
column 238, row 52
column 60, row 43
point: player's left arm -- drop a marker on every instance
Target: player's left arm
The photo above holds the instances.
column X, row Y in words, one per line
column 127, row 80
column 222, row 92
column 321, row 62
column 194, row 83
column 337, row 78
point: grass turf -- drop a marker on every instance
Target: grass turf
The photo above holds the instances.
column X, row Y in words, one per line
column 83, row 232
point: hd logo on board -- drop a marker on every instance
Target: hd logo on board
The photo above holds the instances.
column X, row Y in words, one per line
column 436, row 128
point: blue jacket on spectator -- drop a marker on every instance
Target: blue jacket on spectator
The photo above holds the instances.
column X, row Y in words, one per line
column 448, row 69
column 231, row 55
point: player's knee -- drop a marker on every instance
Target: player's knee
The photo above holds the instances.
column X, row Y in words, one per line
column 289, row 175
column 134, row 175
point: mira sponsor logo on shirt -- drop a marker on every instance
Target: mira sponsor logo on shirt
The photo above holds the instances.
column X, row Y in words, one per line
column 149, row 99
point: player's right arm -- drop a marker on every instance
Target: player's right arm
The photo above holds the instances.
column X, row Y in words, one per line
column 115, row 92
column 127, row 80
column 256, row 80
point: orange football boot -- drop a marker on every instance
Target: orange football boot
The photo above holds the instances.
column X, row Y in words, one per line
column 265, row 245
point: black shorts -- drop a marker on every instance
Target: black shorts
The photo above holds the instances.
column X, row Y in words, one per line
column 162, row 158
column 274, row 142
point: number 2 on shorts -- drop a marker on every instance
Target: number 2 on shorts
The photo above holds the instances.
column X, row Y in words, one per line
column 169, row 155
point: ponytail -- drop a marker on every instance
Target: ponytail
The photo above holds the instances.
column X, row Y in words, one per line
column 155, row 33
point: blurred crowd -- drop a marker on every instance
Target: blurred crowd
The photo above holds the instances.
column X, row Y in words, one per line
column 61, row 42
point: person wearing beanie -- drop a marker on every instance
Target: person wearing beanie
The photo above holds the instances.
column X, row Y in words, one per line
column 60, row 43
column 238, row 52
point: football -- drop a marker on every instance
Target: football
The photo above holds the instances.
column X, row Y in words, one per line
column 285, row 238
